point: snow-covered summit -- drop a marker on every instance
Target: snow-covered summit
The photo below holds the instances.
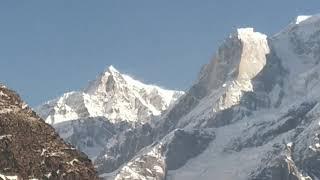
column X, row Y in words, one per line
column 239, row 59
column 113, row 95
column 249, row 32
column 302, row 18
column 112, row 69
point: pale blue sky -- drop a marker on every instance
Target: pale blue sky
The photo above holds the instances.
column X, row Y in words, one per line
column 50, row 47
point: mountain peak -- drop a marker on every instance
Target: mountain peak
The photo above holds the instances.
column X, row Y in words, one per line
column 113, row 73
column 112, row 69
column 106, row 81
column 237, row 62
column 2, row 85
column 302, row 18
column 113, row 95
column 307, row 19
column 248, row 32
column 245, row 30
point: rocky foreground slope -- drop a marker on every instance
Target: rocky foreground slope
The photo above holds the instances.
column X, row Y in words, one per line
column 31, row 149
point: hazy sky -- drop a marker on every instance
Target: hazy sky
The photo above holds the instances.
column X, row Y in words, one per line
column 50, row 47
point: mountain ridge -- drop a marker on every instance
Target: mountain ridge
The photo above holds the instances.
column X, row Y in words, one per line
column 112, row 96
column 266, row 127
column 109, row 105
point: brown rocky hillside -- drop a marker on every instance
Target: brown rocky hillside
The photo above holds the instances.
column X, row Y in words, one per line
column 31, row 149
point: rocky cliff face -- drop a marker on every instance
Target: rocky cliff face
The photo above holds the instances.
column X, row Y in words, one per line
column 30, row 148
column 259, row 97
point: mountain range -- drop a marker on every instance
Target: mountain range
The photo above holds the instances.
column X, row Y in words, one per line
column 252, row 114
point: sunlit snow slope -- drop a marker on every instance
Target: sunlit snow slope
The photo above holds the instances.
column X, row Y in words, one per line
column 113, row 95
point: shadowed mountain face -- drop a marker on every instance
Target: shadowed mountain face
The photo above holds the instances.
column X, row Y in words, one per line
column 30, row 148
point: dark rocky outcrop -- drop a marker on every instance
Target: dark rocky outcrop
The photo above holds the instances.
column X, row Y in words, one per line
column 30, row 148
column 123, row 147
column 186, row 145
column 159, row 158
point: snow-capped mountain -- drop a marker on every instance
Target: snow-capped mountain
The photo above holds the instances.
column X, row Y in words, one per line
column 111, row 104
column 113, row 95
column 252, row 114
column 31, row 149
